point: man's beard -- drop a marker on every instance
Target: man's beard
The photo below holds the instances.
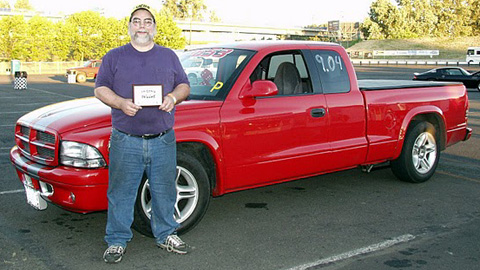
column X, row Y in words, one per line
column 143, row 39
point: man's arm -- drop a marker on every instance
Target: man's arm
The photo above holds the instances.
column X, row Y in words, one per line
column 107, row 96
column 179, row 94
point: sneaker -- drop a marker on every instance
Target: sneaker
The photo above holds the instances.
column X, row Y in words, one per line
column 173, row 243
column 113, row 254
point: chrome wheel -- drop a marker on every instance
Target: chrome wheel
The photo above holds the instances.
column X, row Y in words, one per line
column 424, row 153
column 193, row 196
column 420, row 153
column 187, row 195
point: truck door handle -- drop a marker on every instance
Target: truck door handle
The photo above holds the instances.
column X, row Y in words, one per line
column 318, row 112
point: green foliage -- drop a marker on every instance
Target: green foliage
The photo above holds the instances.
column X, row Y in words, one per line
column 168, row 34
column 39, row 40
column 4, row 4
column 23, row 4
column 84, row 35
column 422, row 18
column 12, row 37
column 188, row 9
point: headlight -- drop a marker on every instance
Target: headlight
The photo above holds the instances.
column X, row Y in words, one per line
column 80, row 155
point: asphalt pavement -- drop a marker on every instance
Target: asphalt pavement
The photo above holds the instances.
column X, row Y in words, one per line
column 344, row 220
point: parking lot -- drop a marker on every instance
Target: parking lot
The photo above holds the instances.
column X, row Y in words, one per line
column 345, row 220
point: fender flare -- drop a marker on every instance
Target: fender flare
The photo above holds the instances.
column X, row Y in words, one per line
column 429, row 113
column 212, row 144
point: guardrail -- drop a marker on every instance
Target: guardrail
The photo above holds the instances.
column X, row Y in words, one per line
column 411, row 62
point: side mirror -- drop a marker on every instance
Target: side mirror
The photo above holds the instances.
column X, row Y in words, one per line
column 261, row 88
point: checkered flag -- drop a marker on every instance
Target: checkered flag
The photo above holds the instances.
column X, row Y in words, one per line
column 20, row 83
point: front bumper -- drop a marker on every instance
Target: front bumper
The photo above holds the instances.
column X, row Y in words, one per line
column 77, row 190
column 468, row 134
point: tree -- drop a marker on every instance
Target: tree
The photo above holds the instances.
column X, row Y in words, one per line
column 23, row 4
column 213, row 17
column 84, row 35
column 87, row 36
column 12, row 37
column 186, row 9
column 380, row 19
column 475, row 16
column 39, row 40
column 371, row 30
column 114, row 33
column 168, row 34
column 422, row 18
column 4, row 4
column 63, row 38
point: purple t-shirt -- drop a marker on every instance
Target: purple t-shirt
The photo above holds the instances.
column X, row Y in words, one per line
column 123, row 67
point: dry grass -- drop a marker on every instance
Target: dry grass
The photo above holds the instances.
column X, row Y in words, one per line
column 450, row 48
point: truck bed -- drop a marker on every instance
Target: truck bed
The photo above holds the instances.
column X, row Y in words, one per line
column 370, row 85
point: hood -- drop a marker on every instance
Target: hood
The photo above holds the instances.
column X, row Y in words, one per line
column 88, row 113
column 69, row 115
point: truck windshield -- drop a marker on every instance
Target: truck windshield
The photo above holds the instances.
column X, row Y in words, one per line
column 213, row 71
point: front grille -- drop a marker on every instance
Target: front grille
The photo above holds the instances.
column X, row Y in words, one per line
column 45, row 137
column 37, row 145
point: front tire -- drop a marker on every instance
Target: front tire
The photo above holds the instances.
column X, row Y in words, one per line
column 420, row 154
column 193, row 197
column 81, row 77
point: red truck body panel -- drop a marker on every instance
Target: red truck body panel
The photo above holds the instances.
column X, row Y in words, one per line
column 253, row 141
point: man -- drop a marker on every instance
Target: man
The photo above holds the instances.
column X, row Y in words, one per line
column 142, row 139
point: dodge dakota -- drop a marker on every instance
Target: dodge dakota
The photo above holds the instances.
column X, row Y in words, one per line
column 266, row 113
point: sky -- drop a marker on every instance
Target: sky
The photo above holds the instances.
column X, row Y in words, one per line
column 252, row 12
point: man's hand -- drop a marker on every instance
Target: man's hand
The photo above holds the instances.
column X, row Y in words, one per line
column 168, row 103
column 129, row 108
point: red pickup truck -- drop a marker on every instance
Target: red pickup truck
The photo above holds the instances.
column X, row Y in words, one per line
column 267, row 112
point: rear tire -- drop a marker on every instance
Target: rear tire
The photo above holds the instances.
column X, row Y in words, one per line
column 420, row 154
column 193, row 197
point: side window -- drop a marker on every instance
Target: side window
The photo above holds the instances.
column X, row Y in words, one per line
column 287, row 70
column 333, row 73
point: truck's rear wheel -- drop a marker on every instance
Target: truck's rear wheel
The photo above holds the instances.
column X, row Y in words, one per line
column 193, row 196
column 420, row 154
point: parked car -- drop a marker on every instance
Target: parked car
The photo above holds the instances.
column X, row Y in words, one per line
column 451, row 74
column 276, row 112
column 88, row 71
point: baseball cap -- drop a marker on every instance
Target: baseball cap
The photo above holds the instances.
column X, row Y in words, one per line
column 144, row 7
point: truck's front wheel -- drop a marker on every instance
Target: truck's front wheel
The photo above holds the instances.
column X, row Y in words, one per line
column 420, row 154
column 193, row 196
column 81, row 77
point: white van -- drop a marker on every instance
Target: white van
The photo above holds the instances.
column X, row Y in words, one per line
column 473, row 55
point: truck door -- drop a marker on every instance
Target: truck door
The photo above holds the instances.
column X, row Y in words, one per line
column 346, row 109
column 277, row 138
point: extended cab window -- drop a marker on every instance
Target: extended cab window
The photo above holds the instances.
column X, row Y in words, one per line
column 332, row 72
column 287, row 70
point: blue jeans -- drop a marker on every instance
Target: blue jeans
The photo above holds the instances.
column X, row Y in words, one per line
column 130, row 158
